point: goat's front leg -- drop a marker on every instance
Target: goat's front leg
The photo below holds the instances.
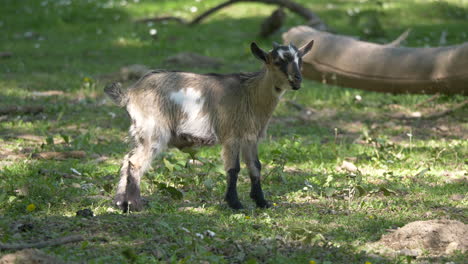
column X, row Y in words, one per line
column 250, row 156
column 232, row 167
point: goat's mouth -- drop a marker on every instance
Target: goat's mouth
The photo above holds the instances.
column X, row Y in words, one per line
column 295, row 85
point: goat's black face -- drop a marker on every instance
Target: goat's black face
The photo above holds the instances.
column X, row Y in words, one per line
column 286, row 60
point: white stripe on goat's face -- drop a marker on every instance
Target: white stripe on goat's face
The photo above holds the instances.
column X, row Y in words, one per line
column 295, row 55
column 191, row 102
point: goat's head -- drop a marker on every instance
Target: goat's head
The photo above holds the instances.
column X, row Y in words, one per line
column 285, row 62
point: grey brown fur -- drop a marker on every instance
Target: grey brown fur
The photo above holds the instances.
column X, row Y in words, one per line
column 181, row 109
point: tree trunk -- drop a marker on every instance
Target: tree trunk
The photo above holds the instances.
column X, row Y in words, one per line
column 344, row 61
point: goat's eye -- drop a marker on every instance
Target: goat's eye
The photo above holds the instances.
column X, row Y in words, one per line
column 279, row 62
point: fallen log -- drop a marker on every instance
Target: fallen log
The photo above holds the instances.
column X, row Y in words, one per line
column 344, row 61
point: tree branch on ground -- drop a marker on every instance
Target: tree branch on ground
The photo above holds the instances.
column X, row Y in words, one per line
column 75, row 154
column 161, row 19
column 49, row 243
column 17, row 109
column 447, row 111
column 312, row 19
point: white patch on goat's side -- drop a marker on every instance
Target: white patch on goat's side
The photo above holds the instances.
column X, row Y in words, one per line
column 191, row 101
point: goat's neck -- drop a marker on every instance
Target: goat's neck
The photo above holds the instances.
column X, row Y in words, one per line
column 264, row 97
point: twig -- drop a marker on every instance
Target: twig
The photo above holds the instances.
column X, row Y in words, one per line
column 42, row 244
column 16, row 109
column 5, row 54
column 294, row 105
column 397, row 42
column 448, row 111
column 162, row 18
column 430, row 99
column 75, row 154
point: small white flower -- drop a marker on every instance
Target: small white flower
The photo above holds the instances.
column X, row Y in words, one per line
column 185, row 230
column 210, row 233
column 193, row 9
column 199, row 235
column 153, row 31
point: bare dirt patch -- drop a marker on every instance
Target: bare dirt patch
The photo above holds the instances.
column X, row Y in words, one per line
column 29, row 256
column 433, row 238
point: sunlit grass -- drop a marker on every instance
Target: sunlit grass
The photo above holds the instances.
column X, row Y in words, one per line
column 74, row 46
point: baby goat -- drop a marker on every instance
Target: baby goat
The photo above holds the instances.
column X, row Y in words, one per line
column 182, row 109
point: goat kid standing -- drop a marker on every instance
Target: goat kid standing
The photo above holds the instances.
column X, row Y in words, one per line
column 182, row 109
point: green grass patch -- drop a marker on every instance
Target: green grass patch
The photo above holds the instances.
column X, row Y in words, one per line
column 408, row 168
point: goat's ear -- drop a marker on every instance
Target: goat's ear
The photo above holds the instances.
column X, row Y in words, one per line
column 306, row 48
column 258, row 52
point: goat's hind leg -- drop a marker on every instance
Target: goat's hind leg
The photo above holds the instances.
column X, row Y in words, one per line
column 120, row 196
column 134, row 166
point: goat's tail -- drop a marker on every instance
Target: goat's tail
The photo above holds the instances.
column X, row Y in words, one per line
column 115, row 92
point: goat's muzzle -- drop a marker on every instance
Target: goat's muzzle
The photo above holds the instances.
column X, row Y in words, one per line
column 296, row 83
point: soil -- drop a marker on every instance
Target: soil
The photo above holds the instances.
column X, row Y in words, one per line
column 431, row 238
column 29, row 256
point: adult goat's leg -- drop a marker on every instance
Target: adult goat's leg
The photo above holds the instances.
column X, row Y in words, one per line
column 232, row 167
column 250, row 156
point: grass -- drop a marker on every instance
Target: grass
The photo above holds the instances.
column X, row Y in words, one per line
column 321, row 213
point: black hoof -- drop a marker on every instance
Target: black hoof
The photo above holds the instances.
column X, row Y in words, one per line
column 262, row 204
column 127, row 206
column 235, row 204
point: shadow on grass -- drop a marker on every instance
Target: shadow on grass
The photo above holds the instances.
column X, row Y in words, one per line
column 165, row 237
column 78, row 44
